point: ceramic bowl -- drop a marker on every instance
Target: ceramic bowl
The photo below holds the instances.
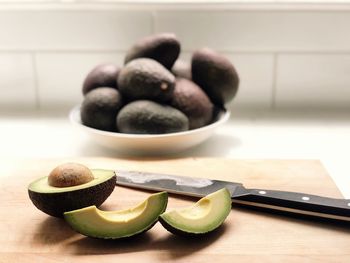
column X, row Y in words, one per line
column 149, row 144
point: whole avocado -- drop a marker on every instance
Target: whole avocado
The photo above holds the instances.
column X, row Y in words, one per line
column 100, row 107
column 104, row 75
column 145, row 78
column 215, row 74
column 148, row 117
column 163, row 47
column 192, row 100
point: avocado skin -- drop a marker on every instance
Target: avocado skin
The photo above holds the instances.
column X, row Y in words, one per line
column 216, row 75
column 144, row 78
column 182, row 69
column 179, row 232
column 104, row 75
column 100, row 107
column 192, row 101
column 55, row 204
column 148, row 117
column 163, row 47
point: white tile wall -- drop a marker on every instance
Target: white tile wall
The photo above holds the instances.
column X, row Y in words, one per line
column 256, row 80
column 313, row 80
column 72, row 29
column 17, row 81
column 61, row 75
column 285, row 58
column 258, row 30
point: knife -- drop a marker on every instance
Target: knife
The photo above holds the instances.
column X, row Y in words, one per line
column 290, row 202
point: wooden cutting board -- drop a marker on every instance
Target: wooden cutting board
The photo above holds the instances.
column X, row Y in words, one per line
column 28, row 235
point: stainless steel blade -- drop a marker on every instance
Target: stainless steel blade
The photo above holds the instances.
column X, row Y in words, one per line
column 289, row 202
column 191, row 186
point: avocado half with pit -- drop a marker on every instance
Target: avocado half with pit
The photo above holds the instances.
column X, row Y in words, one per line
column 203, row 217
column 70, row 187
column 93, row 222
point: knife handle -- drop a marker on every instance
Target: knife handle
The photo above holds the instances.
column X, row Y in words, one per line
column 311, row 205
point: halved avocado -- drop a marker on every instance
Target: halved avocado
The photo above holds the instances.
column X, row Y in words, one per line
column 93, row 222
column 201, row 218
column 55, row 201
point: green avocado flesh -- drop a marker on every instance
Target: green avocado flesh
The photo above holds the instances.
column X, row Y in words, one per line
column 204, row 216
column 55, row 201
column 93, row 222
column 42, row 186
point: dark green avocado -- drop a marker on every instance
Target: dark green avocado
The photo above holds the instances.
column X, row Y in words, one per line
column 104, row 75
column 193, row 102
column 163, row 47
column 144, row 78
column 216, row 75
column 94, row 222
column 100, row 107
column 148, row 117
column 203, row 217
column 55, row 200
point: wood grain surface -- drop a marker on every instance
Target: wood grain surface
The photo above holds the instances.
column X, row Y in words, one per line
column 28, row 235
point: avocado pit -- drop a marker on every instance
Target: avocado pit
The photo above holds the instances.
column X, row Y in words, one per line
column 70, row 174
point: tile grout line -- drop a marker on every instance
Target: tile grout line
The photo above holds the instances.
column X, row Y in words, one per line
column 153, row 28
column 274, row 81
column 178, row 7
column 36, row 81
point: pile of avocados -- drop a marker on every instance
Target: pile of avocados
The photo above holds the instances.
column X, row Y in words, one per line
column 155, row 92
column 75, row 192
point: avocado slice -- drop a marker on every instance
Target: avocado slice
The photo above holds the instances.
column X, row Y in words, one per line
column 93, row 222
column 201, row 218
column 57, row 200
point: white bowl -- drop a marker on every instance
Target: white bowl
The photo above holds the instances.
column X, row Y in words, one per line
column 149, row 144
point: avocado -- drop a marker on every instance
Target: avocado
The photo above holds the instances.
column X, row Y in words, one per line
column 215, row 74
column 104, row 75
column 203, row 217
column 192, row 101
column 71, row 186
column 144, row 78
column 93, row 222
column 182, row 69
column 148, row 117
column 100, row 107
column 163, row 47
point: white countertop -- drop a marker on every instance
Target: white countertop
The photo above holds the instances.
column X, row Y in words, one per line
column 249, row 135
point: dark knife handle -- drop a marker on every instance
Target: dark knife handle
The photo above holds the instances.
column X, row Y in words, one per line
column 306, row 204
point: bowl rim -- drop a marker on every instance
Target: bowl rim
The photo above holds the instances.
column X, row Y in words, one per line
column 74, row 117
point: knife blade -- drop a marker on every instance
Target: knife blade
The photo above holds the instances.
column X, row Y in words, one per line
column 290, row 202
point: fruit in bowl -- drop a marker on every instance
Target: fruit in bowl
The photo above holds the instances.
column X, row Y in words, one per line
column 155, row 92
